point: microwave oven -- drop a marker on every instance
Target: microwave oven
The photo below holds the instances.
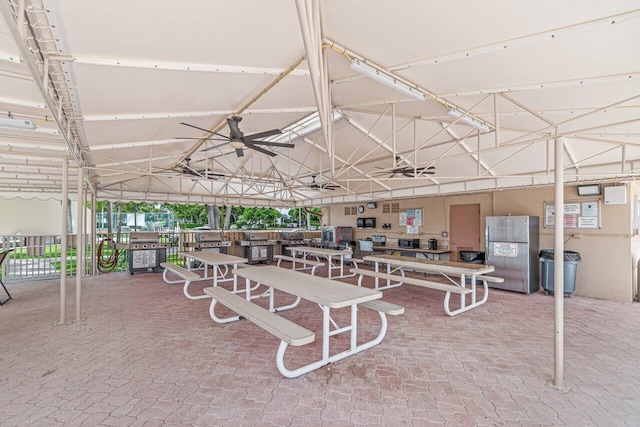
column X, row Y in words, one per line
column 409, row 243
column 366, row 222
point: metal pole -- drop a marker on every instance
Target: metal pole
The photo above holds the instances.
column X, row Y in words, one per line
column 80, row 246
column 63, row 243
column 558, row 273
column 94, row 212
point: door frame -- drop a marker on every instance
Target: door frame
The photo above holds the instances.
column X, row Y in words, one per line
column 454, row 246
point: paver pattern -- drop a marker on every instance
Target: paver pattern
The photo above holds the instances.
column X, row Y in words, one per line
column 147, row 356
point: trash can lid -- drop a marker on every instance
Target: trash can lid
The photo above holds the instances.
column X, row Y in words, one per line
column 568, row 255
column 468, row 256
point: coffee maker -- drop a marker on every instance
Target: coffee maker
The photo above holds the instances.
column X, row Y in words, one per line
column 433, row 244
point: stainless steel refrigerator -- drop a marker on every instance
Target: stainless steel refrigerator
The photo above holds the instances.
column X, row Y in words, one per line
column 512, row 248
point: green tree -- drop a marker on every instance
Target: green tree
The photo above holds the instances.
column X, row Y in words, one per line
column 259, row 216
column 301, row 214
column 189, row 214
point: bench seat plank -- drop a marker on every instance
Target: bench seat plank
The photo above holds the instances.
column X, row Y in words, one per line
column 299, row 260
column 282, row 328
column 180, row 271
column 493, row 279
column 383, row 306
column 413, row 281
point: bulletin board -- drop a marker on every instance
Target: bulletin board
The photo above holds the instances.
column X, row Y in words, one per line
column 412, row 219
column 583, row 213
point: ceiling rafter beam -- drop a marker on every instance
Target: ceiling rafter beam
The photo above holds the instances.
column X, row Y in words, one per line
column 23, row 102
column 174, row 66
column 576, row 163
column 506, row 159
column 552, row 128
column 339, row 159
column 548, row 85
column 549, row 35
column 365, row 135
column 37, row 154
column 527, row 109
column 540, row 117
column 40, row 79
column 248, row 104
column 239, row 169
column 603, row 141
column 391, row 71
column 132, row 144
column 380, row 142
column 475, row 156
column 309, row 17
column 191, row 114
column 444, row 129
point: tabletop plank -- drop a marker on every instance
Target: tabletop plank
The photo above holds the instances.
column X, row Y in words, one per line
column 452, row 267
column 318, row 251
column 214, row 258
column 416, row 250
column 330, row 293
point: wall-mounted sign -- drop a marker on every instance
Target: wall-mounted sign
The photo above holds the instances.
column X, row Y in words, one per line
column 411, row 217
column 505, row 249
column 582, row 214
column 412, row 230
column 588, row 222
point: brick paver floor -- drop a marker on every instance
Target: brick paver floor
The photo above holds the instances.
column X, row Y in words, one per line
column 147, row 356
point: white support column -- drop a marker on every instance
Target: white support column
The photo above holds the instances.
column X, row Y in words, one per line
column 558, row 272
column 496, row 122
column 63, row 243
column 80, row 246
column 94, row 267
column 393, row 136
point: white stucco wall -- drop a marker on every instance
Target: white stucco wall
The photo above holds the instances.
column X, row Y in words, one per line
column 33, row 216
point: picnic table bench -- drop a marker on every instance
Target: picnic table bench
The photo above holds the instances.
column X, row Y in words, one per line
column 304, row 261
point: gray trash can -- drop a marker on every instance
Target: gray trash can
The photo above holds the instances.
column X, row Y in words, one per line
column 471, row 257
column 571, row 261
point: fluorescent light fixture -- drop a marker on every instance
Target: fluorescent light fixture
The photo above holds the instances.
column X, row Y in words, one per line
column 471, row 121
column 10, row 122
column 386, row 79
column 589, row 190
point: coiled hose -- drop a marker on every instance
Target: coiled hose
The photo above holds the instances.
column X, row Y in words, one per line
column 107, row 264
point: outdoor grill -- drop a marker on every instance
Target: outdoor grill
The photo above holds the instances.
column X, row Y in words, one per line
column 210, row 241
column 258, row 247
column 146, row 252
column 292, row 238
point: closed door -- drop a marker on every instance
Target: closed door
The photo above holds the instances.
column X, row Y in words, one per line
column 465, row 229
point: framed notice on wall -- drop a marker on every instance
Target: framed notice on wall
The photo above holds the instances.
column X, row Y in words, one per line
column 410, row 218
column 575, row 214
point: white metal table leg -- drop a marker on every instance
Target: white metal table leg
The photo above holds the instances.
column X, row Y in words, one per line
column 325, row 332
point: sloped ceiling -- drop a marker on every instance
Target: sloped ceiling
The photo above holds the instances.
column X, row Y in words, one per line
column 110, row 84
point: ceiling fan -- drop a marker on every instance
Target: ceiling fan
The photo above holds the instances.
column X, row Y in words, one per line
column 239, row 141
column 408, row 171
column 326, row 186
column 186, row 169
